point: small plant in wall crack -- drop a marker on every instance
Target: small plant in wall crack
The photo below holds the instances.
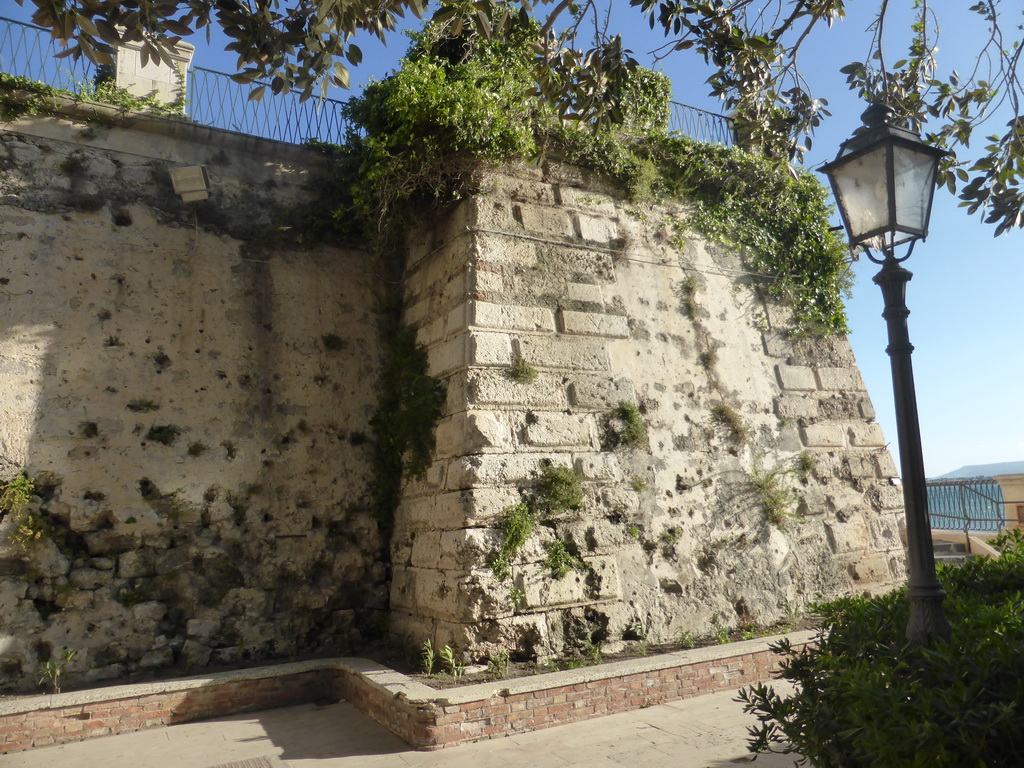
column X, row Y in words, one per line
column 626, row 427
column 708, row 359
column 806, row 463
column 30, row 528
column 54, row 669
column 521, row 372
column 687, row 292
column 16, row 495
column 556, row 491
column 559, row 489
column 727, row 416
column 517, row 524
column 517, row 597
column 777, row 499
column 560, row 560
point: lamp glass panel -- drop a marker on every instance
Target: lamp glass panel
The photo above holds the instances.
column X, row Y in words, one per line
column 915, row 183
column 862, row 194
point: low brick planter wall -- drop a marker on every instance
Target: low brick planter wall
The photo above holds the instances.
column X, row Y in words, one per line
column 424, row 717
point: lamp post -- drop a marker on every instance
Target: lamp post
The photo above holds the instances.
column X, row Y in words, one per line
column 884, row 179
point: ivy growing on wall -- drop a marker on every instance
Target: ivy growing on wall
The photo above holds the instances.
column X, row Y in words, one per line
column 408, row 409
column 22, row 96
column 420, row 133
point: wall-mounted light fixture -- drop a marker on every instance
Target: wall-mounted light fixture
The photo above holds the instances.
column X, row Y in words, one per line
column 191, row 183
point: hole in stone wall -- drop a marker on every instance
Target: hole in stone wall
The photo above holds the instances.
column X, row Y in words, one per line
column 122, row 217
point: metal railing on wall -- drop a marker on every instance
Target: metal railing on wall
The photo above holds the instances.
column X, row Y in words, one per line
column 28, row 51
column 701, row 125
column 214, row 99
column 966, row 505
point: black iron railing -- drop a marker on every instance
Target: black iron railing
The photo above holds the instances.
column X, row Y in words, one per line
column 701, row 125
column 966, row 505
column 214, row 99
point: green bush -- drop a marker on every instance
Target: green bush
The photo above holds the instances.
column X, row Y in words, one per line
column 626, row 427
column 459, row 102
column 867, row 697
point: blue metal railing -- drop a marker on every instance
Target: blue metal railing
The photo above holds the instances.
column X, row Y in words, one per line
column 28, row 51
column 214, row 99
column 966, row 505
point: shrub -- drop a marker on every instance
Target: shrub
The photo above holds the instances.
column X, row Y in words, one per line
column 521, row 372
column 559, row 489
column 560, row 560
column 517, row 524
column 626, row 426
column 867, row 697
column 727, row 416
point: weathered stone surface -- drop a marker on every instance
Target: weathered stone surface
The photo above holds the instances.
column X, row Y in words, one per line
column 600, row 393
column 184, row 434
column 490, row 349
column 845, row 379
column 495, row 388
column 585, row 293
column 823, row 436
column 541, row 590
column 565, row 353
column 542, row 220
column 871, row 570
column 553, row 430
column 796, row 377
column 512, row 318
column 796, row 407
column 210, row 451
column 866, row 435
column 593, row 324
column 595, row 229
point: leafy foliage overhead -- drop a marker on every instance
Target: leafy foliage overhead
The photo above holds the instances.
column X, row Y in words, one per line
column 752, row 46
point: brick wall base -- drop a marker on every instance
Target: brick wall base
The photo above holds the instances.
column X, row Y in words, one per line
column 424, row 717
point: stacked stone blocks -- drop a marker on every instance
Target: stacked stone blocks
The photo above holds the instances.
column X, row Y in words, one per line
column 546, row 269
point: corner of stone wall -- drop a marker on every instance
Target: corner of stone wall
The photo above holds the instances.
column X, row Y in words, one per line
column 585, row 290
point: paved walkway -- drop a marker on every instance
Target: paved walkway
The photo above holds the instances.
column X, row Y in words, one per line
column 704, row 732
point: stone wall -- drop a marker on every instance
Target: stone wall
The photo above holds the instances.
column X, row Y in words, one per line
column 549, row 268
column 193, row 401
column 193, row 407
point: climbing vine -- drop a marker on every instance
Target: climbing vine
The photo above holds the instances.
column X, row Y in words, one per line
column 408, row 409
column 21, row 96
column 418, row 135
column 557, row 490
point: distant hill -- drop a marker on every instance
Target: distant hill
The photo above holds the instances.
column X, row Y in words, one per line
column 986, row 470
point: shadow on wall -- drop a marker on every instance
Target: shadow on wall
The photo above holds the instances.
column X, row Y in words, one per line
column 195, row 419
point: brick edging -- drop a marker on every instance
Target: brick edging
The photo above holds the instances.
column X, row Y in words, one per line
column 424, row 717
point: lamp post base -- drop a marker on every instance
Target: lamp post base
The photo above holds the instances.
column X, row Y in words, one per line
column 927, row 617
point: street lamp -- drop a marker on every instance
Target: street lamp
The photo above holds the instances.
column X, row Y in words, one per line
column 884, row 179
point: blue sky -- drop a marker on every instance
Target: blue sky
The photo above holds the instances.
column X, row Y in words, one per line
column 967, row 295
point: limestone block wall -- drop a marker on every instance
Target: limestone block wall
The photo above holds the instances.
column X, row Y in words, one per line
column 193, row 409
column 551, row 268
